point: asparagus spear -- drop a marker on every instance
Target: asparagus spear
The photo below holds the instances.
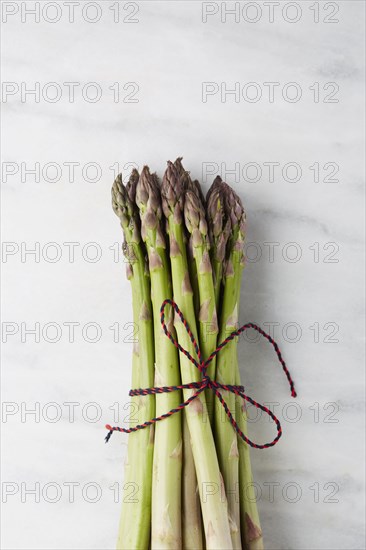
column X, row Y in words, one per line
column 219, row 230
column 223, row 223
column 167, row 468
column 192, row 532
column 196, row 224
column 186, row 183
column 134, row 530
column 191, row 513
column 195, row 187
column 214, row 506
column 225, row 436
column 250, row 525
column 249, row 519
column 197, row 190
column 216, row 183
column 193, row 276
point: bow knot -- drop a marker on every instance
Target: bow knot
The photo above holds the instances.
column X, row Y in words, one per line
column 206, row 382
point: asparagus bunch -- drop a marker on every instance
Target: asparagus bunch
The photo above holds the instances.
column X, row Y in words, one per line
column 194, row 476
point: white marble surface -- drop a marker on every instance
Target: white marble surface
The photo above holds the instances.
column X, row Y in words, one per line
column 169, row 53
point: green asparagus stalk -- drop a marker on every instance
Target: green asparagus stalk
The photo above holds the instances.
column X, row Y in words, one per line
column 219, row 230
column 227, row 441
column 195, row 187
column 167, row 466
column 191, row 507
column 192, row 532
column 251, row 530
column 134, row 530
column 250, row 524
column 214, row 505
column 193, row 275
column 186, row 184
column 195, row 218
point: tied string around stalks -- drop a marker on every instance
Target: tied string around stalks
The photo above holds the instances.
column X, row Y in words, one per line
column 206, row 382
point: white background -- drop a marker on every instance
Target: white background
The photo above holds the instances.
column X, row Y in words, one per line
column 169, row 52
